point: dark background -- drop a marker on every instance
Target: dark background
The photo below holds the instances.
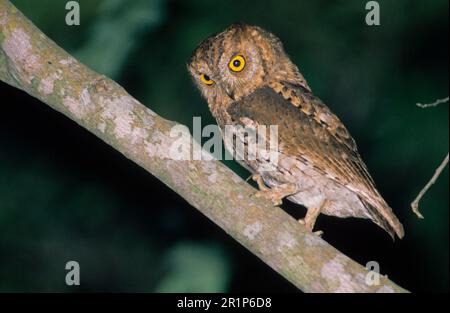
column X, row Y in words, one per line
column 65, row 195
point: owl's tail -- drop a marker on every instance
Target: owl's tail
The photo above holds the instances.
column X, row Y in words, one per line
column 383, row 216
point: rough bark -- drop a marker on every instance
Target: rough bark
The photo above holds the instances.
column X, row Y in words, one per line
column 32, row 62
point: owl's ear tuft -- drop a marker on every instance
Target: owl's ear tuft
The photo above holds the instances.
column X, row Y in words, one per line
column 237, row 26
column 190, row 68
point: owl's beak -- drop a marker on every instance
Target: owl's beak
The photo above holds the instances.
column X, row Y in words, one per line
column 230, row 93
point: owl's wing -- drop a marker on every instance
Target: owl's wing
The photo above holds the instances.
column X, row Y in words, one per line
column 310, row 132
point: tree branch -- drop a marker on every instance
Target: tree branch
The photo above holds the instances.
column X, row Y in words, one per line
column 32, row 62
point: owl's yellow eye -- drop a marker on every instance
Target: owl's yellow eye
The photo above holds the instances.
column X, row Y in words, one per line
column 237, row 63
column 206, row 79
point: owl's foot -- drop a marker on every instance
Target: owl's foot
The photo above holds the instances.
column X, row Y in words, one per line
column 276, row 194
column 258, row 179
column 310, row 219
column 318, row 233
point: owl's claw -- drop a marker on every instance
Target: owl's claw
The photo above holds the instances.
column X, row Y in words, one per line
column 310, row 219
column 269, row 195
column 258, row 179
column 318, row 233
column 276, row 194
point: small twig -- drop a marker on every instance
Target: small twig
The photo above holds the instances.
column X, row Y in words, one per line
column 429, row 105
column 437, row 173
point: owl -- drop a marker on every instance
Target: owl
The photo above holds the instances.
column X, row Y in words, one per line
column 248, row 80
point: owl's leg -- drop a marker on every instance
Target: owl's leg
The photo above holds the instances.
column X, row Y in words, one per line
column 311, row 216
column 275, row 194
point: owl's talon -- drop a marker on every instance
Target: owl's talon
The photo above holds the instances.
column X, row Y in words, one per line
column 276, row 194
column 269, row 195
column 318, row 233
column 311, row 216
column 258, row 179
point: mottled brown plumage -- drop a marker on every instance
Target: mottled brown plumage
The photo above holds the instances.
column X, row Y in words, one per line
column 248, row 80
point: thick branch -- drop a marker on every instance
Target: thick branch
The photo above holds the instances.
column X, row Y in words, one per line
column 32, row 62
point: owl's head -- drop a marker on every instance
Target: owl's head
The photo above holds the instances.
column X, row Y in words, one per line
column 234, row 63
